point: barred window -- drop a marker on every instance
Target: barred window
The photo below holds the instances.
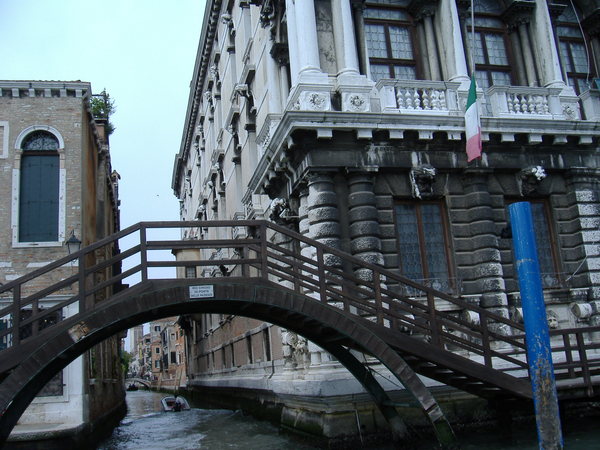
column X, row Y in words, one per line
column 422, row 232
column 389, row 32
column 491, row 52
column 573, row 52
column 546, row 243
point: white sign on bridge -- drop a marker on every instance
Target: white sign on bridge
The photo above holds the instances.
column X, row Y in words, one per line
column 203, row 291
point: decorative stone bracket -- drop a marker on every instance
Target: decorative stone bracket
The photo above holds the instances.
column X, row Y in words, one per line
column 529, row 179
column 281, row 212
column 421, row 180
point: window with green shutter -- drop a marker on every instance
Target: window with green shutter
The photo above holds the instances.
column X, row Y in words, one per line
column 39, row 188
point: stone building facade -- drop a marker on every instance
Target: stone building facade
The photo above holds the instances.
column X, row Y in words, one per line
column 59, row 184
column 167, row 347
column 344, row 120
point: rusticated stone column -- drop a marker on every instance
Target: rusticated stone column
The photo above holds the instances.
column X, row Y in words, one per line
column 324, row 225
column 309, row 253
column 476, row 243
column 364, row 225
column 323, row 214
column 581, row 256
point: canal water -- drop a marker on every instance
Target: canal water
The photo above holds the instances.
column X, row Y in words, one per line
column 146, row 427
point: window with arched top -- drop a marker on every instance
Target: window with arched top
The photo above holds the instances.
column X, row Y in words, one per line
column 573, row 52
column 39, row 188
column 490, row 44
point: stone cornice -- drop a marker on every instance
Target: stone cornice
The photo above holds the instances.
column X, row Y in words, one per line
column 205, row 48
column 25, row 88
column 363, row 124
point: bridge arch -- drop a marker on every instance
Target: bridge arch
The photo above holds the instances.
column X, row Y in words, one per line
column 141, row 381
column 327, row 326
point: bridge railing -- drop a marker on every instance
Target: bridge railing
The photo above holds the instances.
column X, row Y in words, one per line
column 251, row 249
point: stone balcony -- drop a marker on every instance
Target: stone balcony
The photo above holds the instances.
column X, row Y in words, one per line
column 428, row 107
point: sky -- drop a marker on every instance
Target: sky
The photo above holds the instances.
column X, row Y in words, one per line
column 142, row 52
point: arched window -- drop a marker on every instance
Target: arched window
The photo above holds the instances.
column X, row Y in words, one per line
column 39, row 188
column 490, row 53
column 390, row 37
column 572, row 48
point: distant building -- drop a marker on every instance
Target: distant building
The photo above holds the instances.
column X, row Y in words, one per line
column 344, row 120
column 168, row 354
column 58, row 185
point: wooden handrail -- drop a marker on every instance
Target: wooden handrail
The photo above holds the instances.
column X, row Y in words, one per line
column 382, row 297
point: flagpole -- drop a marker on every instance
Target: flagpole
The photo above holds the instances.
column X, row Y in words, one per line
column 471, row 53
column 472, row 121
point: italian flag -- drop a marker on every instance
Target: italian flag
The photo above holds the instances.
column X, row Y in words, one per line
column 472, row 125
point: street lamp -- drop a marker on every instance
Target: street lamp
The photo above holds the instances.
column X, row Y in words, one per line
column 73, row 244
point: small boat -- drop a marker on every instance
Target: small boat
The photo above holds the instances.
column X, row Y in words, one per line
column 132, row 387
column 175, row 404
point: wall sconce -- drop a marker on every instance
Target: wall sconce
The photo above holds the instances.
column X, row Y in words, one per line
column 73, row 244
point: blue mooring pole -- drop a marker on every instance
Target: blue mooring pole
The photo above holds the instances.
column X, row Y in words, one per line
column 539, row 353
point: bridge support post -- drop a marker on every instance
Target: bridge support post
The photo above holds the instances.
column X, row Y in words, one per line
column 537, row 336
column 442, row 428
column 364, row 376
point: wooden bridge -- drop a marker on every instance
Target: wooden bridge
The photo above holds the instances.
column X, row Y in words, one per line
column 261, row 270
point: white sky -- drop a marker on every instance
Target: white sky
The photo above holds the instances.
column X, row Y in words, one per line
column 142, row 52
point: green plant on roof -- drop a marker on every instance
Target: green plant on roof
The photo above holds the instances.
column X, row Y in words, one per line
column 102, row 108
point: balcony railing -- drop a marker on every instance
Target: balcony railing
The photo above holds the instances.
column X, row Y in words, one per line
column 419, row 96
column 444, row 98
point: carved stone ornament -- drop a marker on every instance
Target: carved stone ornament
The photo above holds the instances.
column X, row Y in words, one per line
column 313, row 101
column 295, row 350
column 519, row 12
column 226, row 18
column 280, row 53
column 530, row 178
column 421, row 180
column 281, row 213
column 355, row 103
column 214, row 71
column 569, row 112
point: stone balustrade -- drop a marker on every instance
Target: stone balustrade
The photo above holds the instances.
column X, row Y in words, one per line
column 419, row 96
column 531, row 102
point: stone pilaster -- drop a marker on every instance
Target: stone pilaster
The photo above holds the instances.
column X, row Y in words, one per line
column 518, row 17
column 546, row 47
column 345, row 41
column 454, row 64
column 302, row 33
column 292, row 39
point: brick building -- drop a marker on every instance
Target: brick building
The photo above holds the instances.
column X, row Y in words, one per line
column 344, row 120
column 59, row 185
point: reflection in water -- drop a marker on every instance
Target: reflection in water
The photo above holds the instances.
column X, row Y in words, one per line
column 146, row 427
